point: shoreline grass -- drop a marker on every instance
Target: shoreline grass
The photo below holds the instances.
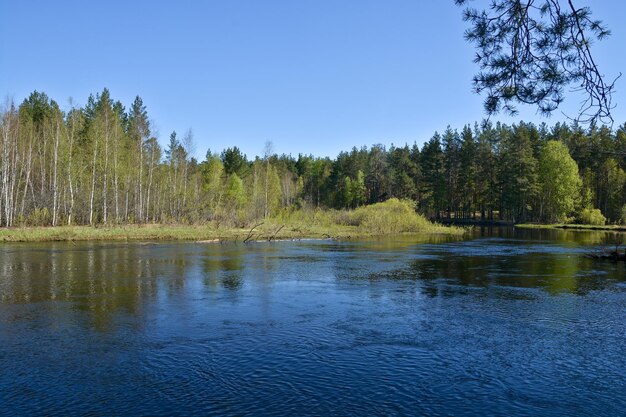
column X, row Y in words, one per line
column 266, row 231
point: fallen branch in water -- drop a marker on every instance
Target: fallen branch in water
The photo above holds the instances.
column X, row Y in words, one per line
column 250, row 234
column 269, row 239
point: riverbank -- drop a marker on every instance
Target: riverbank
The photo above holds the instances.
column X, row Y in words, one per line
column 614, row 228
column 265, row 231
column 392, row 217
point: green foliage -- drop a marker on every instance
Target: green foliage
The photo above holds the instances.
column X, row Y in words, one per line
column 518, row 173
column 234, row 201
column 234, row 161
column 175, row 153
column 39, row 217
column 99, row 165
column 212, row 171
column 404, row 172
column 345, row 192
column 623, row 216
column 352, row 192
column 234, row 194
column 591, row 216
column 358, row 192
column 529, row 52
column 391, row 216
column 560, row 182
column 377, row 178
column 613, row 180
column 433, row 177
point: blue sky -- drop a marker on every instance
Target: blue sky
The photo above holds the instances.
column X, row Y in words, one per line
column 312, row 76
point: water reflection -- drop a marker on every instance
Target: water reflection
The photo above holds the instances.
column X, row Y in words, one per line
column 557, row 265
column 104, row 278
column 224, row 269
column 94, row 277
column 554, row 261
column 564, row 236
column 573, row 274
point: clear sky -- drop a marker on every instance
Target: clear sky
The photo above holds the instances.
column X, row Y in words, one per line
column 312, row 76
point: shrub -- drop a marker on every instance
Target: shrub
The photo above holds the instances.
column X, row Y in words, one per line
column 391, row 216
column 39, row 217
column 591, row 216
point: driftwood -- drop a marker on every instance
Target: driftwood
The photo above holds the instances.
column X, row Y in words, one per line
column 269, row 239
column 250, row 234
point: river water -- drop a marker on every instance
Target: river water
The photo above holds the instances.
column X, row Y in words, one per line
column 506, row 322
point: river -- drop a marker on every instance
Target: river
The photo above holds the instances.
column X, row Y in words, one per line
column 505, row 322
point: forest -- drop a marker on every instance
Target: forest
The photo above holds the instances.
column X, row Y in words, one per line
column 101, row 165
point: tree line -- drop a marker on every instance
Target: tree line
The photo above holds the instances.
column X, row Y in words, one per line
column 100, row 164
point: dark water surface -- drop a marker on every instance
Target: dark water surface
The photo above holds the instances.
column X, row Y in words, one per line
column 507, row 323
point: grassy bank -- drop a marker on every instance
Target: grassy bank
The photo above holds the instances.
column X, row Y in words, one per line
column 614, row 228
column 388, row 218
